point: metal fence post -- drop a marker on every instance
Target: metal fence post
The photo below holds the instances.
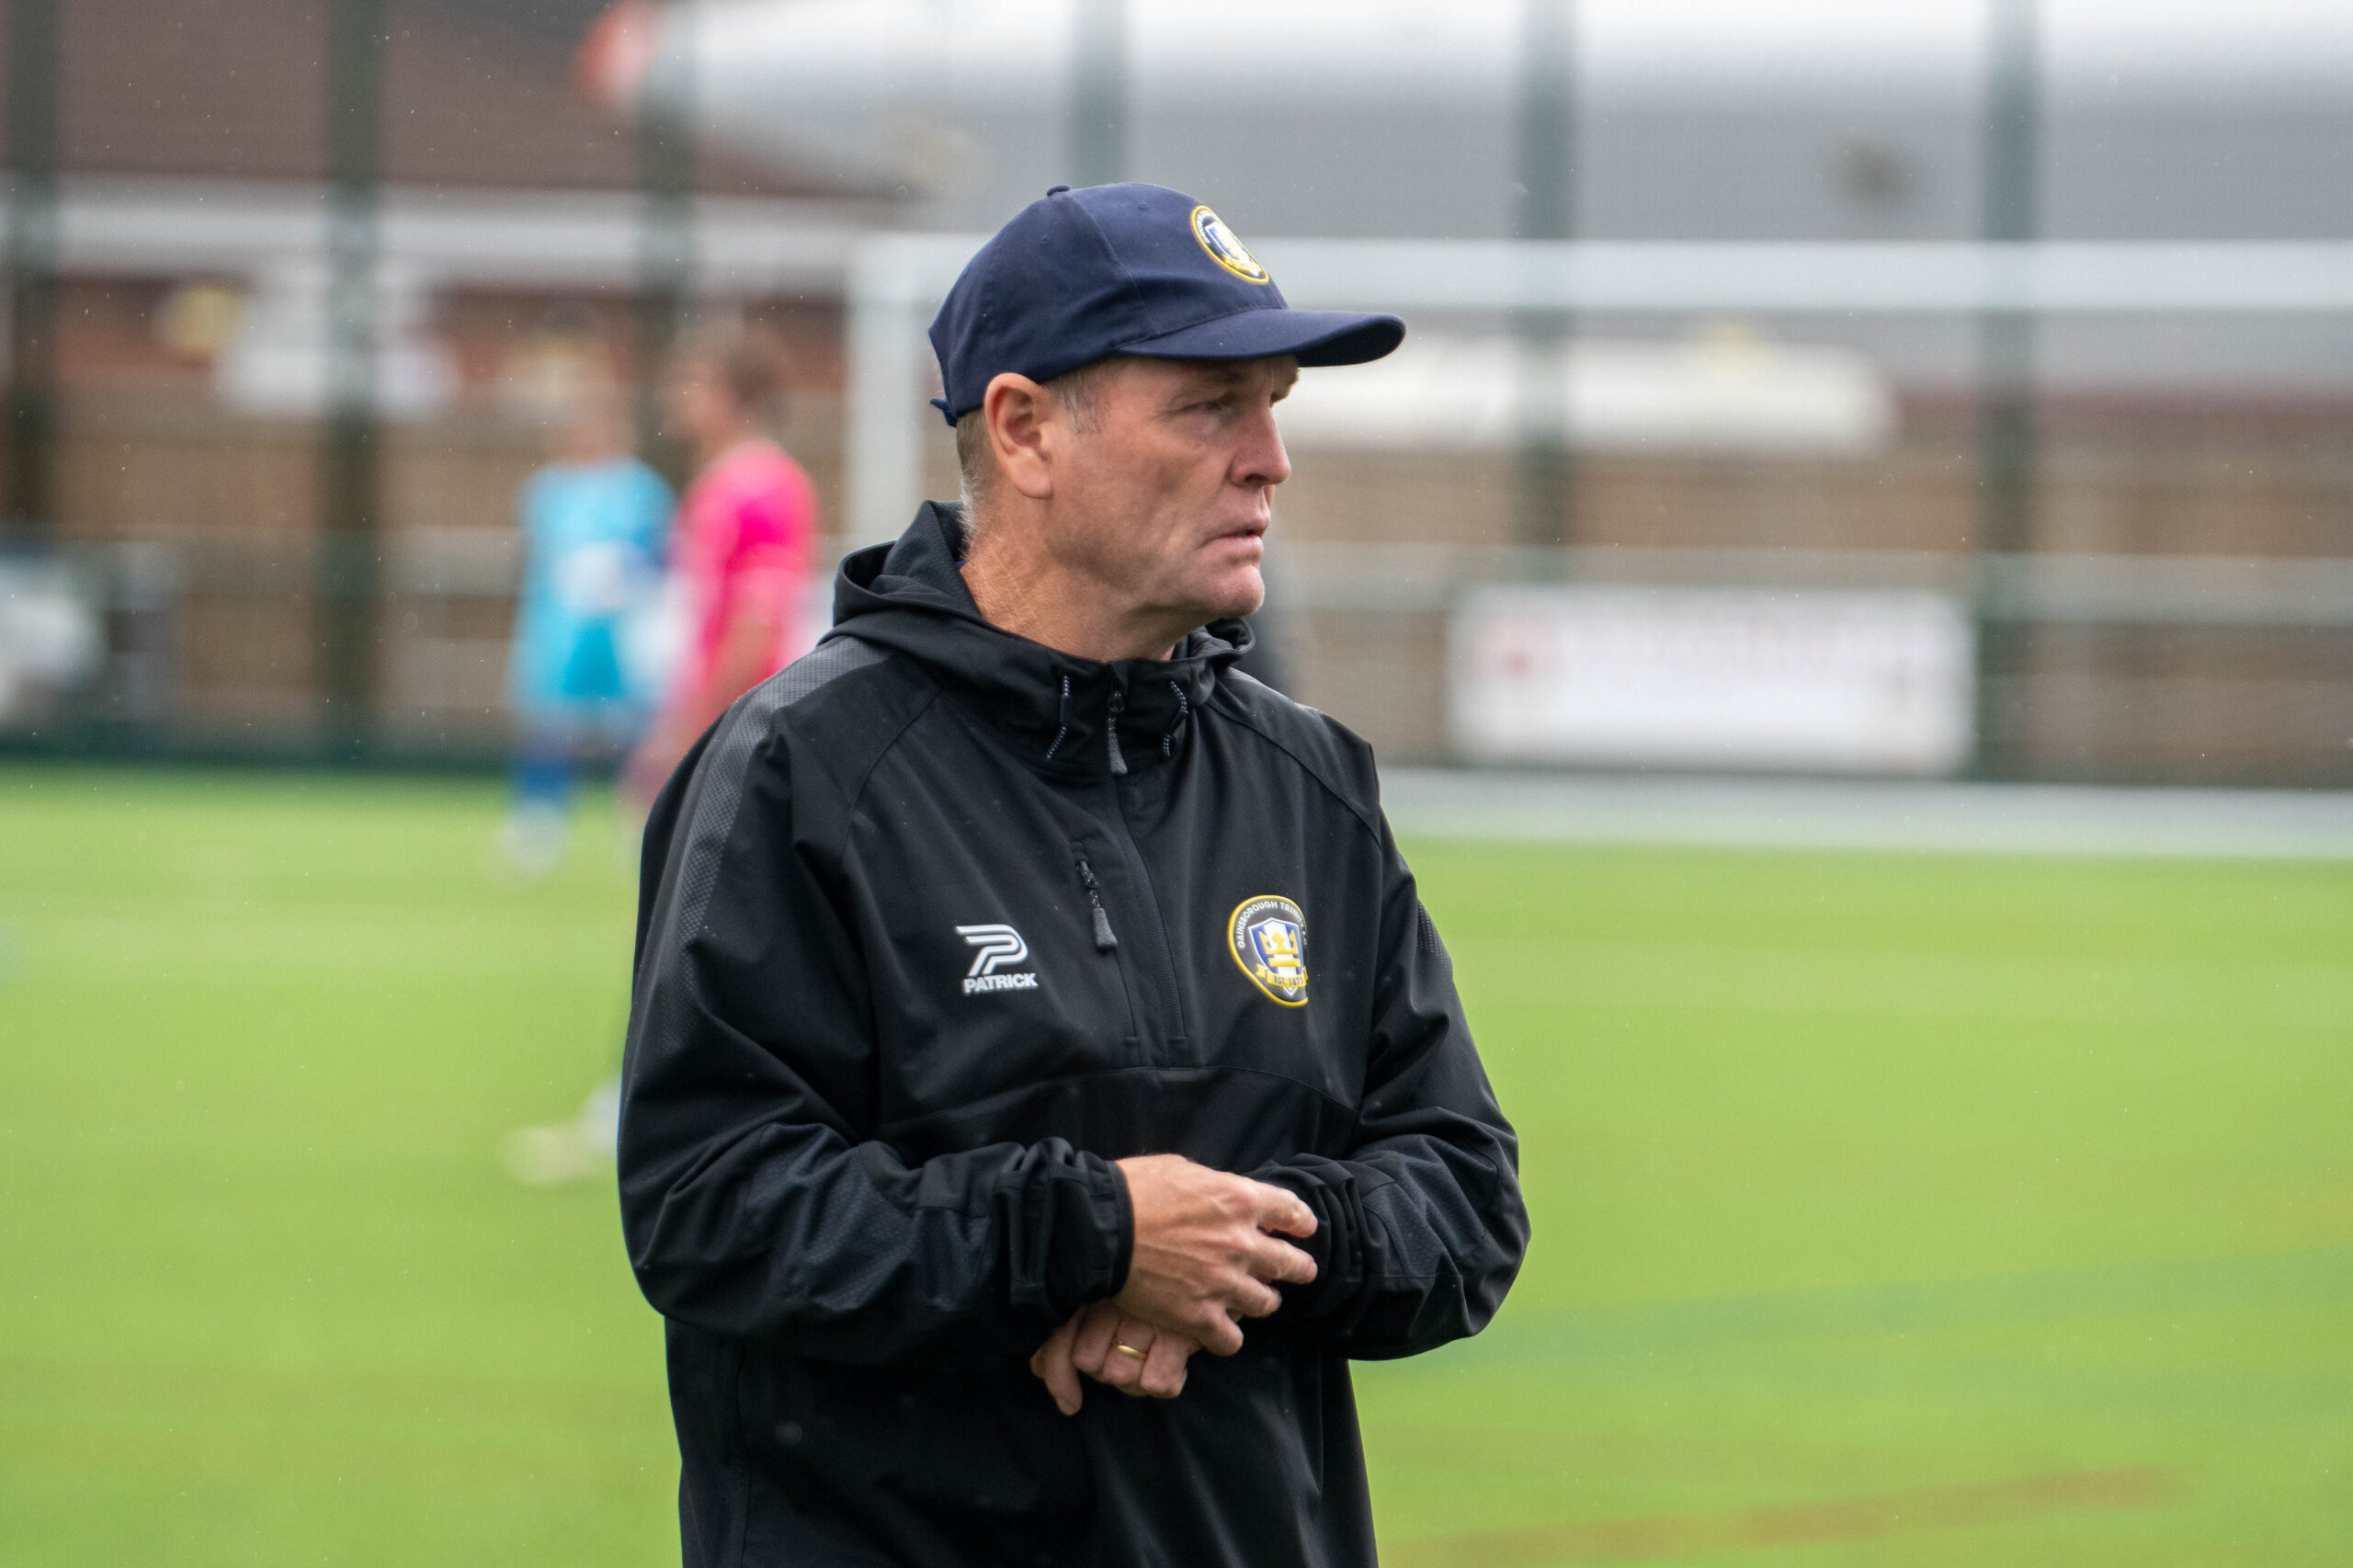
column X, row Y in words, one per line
column 2007, row 454
column 1546, row 210
column 885, row 342
column 665, row 235
column 36, row 51
column 350, row 554
column 1098, row 99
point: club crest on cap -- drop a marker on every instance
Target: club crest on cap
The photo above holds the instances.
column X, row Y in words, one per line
column 1267, row 937
column 1224, row 249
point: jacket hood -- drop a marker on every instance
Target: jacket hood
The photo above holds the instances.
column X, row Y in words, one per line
column 909, row 598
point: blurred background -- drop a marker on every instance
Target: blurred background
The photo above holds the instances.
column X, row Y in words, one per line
column 2033, row 321
column 1851, row 576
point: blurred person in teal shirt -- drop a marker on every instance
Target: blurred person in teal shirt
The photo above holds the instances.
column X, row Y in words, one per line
column 595, row 523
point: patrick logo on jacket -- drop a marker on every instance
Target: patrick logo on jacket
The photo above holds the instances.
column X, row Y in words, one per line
column 1070, row 1278
column 996, row 947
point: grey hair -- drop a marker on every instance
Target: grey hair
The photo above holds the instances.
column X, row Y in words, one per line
column 1080, row 393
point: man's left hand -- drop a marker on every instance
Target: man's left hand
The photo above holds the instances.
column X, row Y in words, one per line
column 1112, row 1347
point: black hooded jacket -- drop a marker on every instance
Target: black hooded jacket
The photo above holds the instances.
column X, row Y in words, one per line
column 937, row 925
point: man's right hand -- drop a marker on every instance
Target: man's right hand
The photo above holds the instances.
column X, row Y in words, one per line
column 1207, row 1248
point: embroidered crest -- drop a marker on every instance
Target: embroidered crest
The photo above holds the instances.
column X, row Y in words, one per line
column 1267, row 937
column 1224, row 249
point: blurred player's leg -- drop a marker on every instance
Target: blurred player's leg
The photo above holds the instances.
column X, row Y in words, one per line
column 538, row 820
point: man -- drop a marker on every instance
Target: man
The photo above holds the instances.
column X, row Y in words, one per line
column 745, row 533
column 1024, row 996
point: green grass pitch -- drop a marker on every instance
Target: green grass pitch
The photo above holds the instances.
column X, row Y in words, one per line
column 1891, row 1209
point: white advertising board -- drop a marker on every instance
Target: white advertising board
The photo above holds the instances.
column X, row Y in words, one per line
column 1830, row 682
column 50, row 639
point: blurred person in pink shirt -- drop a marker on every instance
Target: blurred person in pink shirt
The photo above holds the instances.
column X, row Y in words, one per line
column 743, row 549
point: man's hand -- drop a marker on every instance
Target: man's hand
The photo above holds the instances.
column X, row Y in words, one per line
column 1206, row 1249
column 1111, row 1348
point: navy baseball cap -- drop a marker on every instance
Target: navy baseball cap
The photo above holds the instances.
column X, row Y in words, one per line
column 1081, row 274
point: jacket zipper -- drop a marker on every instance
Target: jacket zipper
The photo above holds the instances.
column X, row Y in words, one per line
column 1106, row 940
column 1151, row 902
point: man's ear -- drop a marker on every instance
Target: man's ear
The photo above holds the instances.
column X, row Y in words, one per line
column 1024, row 429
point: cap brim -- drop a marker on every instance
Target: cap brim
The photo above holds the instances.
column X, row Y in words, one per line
column 1314, row 337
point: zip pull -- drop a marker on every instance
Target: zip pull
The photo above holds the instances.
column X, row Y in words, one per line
column 1062, row 717
column 1176, row 725
column 1104, row 939
column 1111, row 734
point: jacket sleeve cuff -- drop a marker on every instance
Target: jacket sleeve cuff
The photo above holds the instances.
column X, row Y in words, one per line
column 1334, row 1246
column 1124, row 1251
column 1092, row 1236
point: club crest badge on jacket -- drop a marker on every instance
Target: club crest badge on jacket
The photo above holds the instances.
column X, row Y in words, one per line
column 1267, row 937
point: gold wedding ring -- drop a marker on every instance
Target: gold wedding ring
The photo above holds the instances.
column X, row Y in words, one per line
column 1128, row 1350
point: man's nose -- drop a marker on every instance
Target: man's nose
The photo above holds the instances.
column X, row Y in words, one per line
column 1262, row 460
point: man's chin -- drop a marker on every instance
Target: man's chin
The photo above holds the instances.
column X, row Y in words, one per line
column 1239, row 592
column 1236, row 591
